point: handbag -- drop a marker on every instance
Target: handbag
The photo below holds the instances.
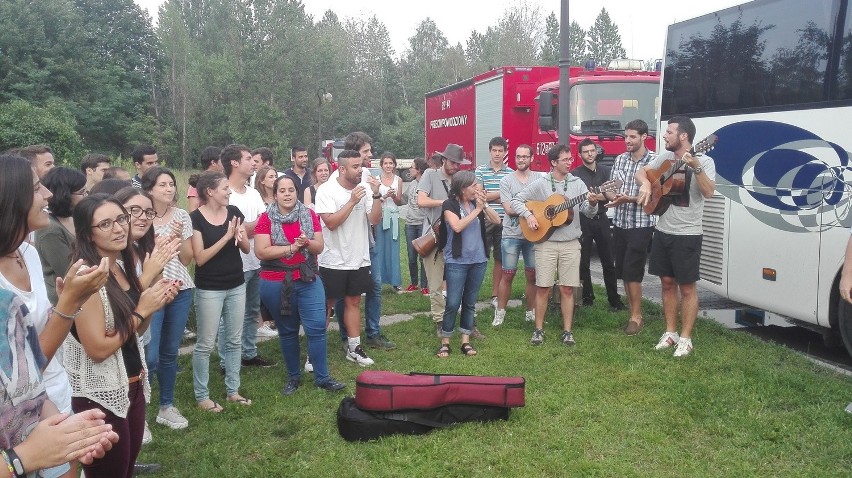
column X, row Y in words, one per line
column 425, row 244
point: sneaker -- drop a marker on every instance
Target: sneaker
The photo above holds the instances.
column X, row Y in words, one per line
column 411, row 288
column 617, row 307
column 171, row 417
column 494, row 301
column 188, row 334
column 568, row 338
column 667, row 340
column 530, row 316
column 476, row 334
column 684, row 347
column 257, row 361
column 633, row 328
column 425, row 291
column 380, row 342
column 332, row 385
column 537, row 337
column 397, row 289
column 290, row 387
column 266, row 331
column 146, row 435
column 309, row 367
column 359, row 356
column 499, row 317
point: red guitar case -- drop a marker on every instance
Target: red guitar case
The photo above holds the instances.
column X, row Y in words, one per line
column 377, row 390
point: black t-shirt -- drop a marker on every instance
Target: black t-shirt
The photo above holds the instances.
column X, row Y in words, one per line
column 301, row 184
column 593, row 179
column 224, row 270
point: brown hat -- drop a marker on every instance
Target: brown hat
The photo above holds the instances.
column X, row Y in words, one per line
column 454, row 153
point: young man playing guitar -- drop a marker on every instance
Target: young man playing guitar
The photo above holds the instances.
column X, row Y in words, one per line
column 633, row 228
column 560, row 253
column 676, row 247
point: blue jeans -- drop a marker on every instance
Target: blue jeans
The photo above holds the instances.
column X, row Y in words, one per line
column 463, row 283
column 512, row 249
column 308, row 307
column 210, row 305
column 372, row 304
column 412, row 232
column 250, row 319
column 161, row 352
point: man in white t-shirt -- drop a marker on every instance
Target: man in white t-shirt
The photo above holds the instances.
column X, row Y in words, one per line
column 347, row 208
column 238, row 167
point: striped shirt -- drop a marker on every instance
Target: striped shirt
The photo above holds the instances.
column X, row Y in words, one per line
column 490, row 179
column 631, row 215
column 175, row 268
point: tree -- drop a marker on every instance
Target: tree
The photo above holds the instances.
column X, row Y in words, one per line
column 550, row 46
column 577, row 52
column 22, row 124
column 604, row 40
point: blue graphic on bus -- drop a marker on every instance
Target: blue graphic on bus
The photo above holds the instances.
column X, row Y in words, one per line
column 787, row 177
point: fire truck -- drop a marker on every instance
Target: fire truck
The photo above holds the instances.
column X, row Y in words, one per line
column 520, row 104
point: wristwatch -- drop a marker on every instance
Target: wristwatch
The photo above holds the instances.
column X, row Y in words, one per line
column 15, row 462
column 698, row 170
column 377, row 196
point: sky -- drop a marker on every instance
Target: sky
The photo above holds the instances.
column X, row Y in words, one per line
column 642, row 24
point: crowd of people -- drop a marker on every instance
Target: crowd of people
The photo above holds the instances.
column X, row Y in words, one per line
column 96, row 289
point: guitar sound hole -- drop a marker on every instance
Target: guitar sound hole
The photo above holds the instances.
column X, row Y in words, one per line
column 548, row 212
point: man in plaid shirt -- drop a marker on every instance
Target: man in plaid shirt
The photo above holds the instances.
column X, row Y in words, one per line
column 632, row 228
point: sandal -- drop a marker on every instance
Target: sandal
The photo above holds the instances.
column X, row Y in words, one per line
column 213, row 408
column 239, row 400
column 444, row 351
column 468, row 349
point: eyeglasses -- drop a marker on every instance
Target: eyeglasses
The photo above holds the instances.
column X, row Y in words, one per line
column 106, row 224
column 523, row 156
column 137, row 211
column 82, row 192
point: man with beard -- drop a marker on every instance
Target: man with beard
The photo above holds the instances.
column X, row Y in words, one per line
column 633, row 228
column 596, row 229
column 348, row 207
column 676, row 248
column 299, row 171
column 513, row 242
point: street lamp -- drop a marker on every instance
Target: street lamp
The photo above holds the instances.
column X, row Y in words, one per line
column 322, row 97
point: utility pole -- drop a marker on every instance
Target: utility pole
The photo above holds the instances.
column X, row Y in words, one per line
column 564, row 112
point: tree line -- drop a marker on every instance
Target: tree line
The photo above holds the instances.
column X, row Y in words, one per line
column 100, row 75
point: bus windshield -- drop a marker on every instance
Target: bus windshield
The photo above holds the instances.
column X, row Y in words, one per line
column 604, row 108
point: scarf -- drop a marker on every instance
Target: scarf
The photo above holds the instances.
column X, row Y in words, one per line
column 307, row 268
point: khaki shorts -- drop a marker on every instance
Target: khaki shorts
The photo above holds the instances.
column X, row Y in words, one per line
column 557, row 257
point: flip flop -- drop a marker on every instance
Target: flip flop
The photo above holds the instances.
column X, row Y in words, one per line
column 240, row 401
column 213, row 408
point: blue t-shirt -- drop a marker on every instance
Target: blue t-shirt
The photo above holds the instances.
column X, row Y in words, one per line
column 472, row 244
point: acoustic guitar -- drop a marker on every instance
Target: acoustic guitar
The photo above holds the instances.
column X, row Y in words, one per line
column 556, row 211
column 668, row 180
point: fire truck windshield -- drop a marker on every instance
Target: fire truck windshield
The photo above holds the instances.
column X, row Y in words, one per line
column 604, row 108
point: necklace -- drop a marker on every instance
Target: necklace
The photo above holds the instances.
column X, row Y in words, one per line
column 553, row 185
column 158, row 216
column 15, row 255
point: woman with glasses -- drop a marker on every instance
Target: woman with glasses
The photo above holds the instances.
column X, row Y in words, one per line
column 55, row 241
column 24, row 202
column 103, row 356
column 218, row 236
column 167, row 325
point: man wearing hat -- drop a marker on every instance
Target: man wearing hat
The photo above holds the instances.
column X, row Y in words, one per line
column 432, row 191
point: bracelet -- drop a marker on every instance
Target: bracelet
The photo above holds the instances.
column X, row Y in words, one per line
column 66, row 316
column 138, row 316
column 16, row 468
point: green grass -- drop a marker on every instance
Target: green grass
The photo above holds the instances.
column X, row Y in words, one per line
column 611, row 406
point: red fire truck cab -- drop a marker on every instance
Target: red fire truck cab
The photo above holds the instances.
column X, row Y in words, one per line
column 520, row 104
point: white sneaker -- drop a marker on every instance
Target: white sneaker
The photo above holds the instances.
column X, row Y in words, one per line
column 668, row 339
column 359, row 356
column 530, row 316
column 494, row 301
column 188, row 334
column 684, row 347
column 146, row 435
column 266, row 331
column 171, row 417
column 499, row 317
column 309, row 367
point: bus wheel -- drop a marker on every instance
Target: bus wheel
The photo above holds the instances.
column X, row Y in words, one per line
column 844, row 322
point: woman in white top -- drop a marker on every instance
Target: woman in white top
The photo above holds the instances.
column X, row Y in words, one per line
column 387, row 232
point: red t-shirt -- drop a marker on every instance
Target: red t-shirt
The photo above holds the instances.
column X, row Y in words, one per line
column 291, row 232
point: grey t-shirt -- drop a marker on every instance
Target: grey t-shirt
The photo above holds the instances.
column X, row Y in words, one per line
column 542, row 188
column 510, row 186
column 436, row 186
column 685, row 220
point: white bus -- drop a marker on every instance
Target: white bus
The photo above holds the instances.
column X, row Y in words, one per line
column 773, row 80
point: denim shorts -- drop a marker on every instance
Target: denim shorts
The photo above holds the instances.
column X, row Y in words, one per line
column 512, row 249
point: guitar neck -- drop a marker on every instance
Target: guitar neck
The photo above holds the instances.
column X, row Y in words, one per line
column 569, row 203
